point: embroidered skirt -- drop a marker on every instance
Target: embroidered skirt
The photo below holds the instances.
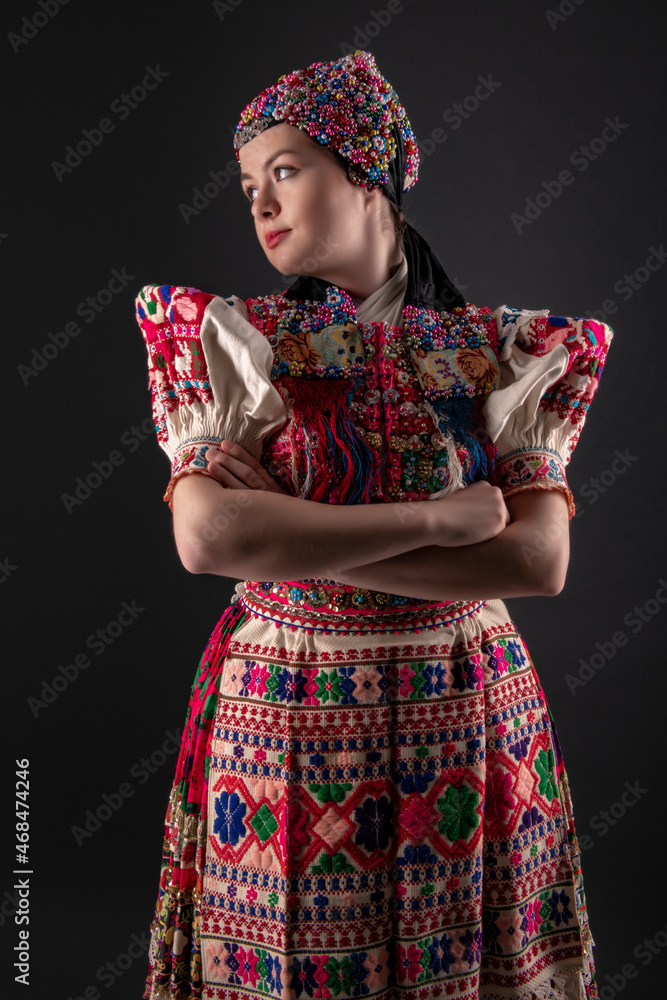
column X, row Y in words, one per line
column 370, row 801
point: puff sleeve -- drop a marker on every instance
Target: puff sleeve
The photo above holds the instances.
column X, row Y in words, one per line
column 550, row 367
column 209, row 374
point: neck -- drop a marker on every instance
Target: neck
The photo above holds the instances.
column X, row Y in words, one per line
column 374, row 256
column 376, row 269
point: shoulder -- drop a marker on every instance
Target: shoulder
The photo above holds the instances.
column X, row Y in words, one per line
column 179, row 305
column 166, row 312
column 538, row 332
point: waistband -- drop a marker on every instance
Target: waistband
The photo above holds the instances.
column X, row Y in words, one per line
column 326, row 605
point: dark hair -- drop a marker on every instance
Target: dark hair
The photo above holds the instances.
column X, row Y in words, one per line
column 400, row 221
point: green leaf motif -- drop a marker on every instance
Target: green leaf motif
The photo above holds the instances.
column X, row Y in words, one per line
column 544, row 765
column 330, row 791
column 458, row 808
column 330, row 864
column 343, row 978
column 264, row 823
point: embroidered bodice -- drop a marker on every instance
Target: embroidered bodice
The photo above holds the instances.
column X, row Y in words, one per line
column 345, row 411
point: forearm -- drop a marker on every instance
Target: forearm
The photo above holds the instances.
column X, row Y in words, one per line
column 528, row 558
column 257, row 535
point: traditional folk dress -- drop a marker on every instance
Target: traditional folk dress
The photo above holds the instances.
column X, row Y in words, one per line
column 370, row 798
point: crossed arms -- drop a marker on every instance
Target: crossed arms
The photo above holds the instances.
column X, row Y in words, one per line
column 466, row 546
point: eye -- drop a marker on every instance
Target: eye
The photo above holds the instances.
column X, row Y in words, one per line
column 281, row 173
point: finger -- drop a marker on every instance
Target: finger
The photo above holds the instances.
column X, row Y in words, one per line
column 238, row 453
column 225, row 477
column 234, row 465
column 237, row 475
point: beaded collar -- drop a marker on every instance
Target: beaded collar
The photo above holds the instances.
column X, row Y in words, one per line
column 455, row 353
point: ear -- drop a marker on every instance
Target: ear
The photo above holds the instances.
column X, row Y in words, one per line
column 373, row 198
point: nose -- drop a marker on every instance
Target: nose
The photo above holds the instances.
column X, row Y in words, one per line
column 265, row 204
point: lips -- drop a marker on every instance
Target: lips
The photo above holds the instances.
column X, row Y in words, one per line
column 274, row 236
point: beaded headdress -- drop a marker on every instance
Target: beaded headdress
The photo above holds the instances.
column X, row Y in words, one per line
column 346, row 105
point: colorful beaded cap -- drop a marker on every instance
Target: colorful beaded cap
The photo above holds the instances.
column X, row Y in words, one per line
column 346, row 105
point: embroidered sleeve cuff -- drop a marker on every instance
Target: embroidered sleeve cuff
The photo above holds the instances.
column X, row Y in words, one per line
column 189, row 457
column 533, row 469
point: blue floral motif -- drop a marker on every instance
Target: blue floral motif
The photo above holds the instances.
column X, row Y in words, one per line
column 516, row 649
column 375, row 826
column 558, row 905
column 291, row 686
column 440, row 956
column 417, row 782
column 360, row 973
column 491, row 931
column 554, row 471
column 420, row 855
column 229, row 825
column 465, row 675
column 303, row 977
column 435, row 679
column 348, row 686
column 274, row 976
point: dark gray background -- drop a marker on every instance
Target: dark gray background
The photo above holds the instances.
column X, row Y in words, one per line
column 67, row 574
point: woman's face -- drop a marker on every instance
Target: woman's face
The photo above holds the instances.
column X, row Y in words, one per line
column 309, row 218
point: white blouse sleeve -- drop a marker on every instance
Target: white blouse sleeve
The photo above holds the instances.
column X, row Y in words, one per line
column 550, row 368
column 209, row 376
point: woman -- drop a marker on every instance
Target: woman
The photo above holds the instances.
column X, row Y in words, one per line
column 370, row 799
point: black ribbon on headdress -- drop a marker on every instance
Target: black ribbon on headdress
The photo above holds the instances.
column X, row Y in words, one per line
column 428, row 287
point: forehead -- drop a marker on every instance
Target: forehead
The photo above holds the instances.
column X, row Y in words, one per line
column 256, row 153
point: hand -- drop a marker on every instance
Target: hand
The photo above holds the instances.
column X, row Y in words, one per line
column 236, row 469
column 473, row 514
